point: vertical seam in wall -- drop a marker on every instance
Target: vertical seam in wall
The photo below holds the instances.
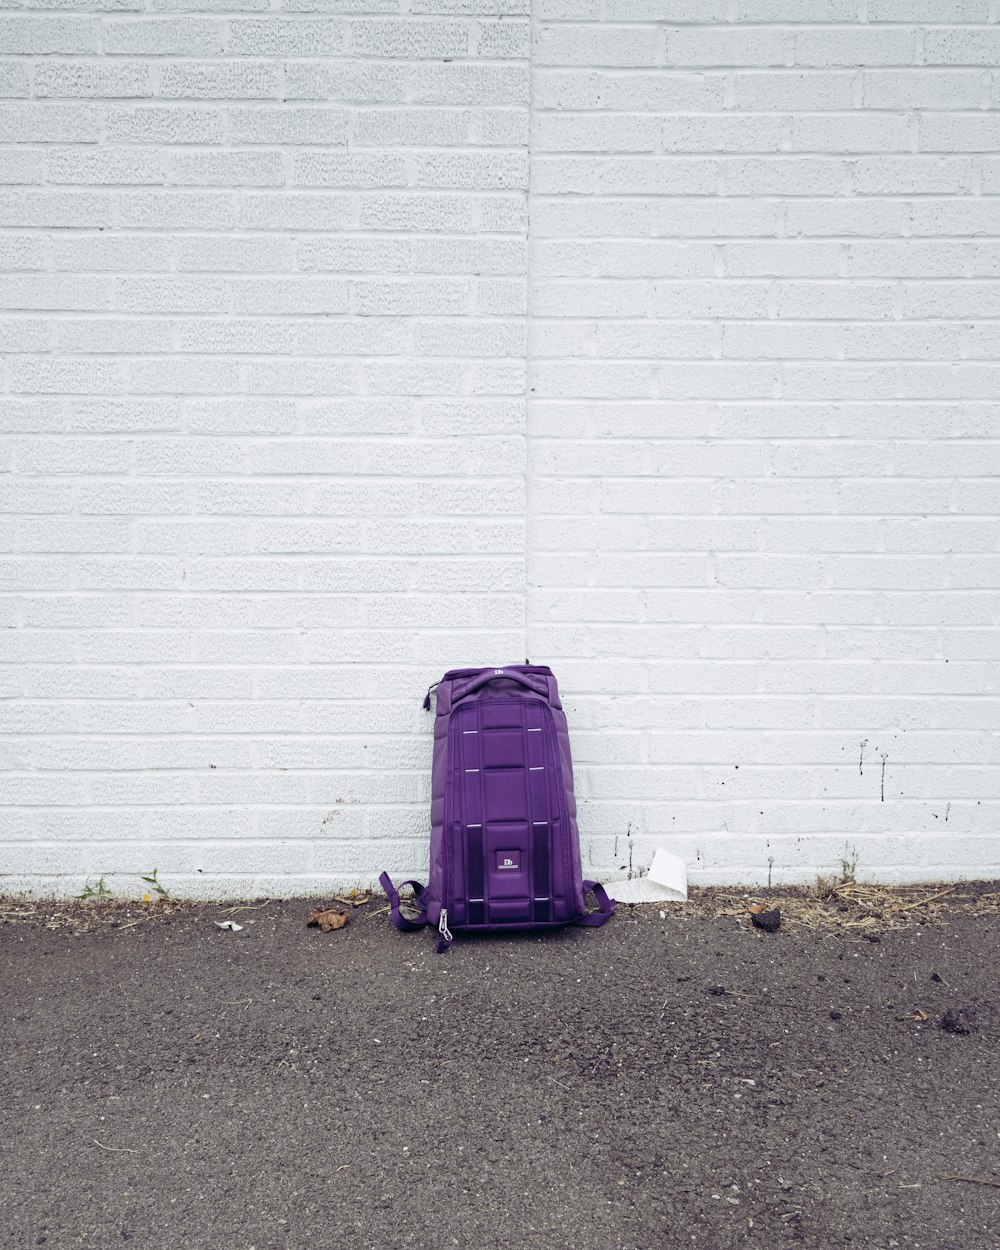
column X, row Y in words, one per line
column 528, row 443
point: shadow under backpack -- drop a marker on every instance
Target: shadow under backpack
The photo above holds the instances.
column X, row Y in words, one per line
column 505, row 850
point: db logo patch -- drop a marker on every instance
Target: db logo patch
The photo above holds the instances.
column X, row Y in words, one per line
column 508, row 861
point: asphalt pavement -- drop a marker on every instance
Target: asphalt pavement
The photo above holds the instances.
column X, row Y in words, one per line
column 658, row 1083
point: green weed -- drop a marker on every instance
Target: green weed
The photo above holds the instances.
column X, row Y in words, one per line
column 159, row 890
column 94, row 891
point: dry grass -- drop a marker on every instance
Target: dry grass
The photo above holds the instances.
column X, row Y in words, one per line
column 847, row 905
column 77, row 916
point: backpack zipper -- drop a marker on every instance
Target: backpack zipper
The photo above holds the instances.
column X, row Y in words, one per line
column 562, row 806
column 445, row 939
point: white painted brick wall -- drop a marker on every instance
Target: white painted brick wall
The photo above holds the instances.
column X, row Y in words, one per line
column 764, row 428
column 263, row 411
column 264, row 312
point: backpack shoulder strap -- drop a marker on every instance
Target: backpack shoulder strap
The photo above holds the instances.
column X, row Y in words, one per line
column 392, row 893
column 605, row 906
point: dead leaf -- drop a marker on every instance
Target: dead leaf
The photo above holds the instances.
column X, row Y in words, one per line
column 756, row 908
column 327, row 919
column 920, row 1015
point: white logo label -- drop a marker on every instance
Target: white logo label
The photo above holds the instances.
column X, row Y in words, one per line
column 508, row 863
column 498, row 671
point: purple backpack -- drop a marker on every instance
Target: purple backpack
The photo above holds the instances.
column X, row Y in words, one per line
column 505, row 851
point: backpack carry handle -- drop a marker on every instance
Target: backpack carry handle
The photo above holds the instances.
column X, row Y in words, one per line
column 539, row 684
column 605, row 906
column 402, row 922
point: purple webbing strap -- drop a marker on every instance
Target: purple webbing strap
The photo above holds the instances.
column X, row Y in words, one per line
column 398, row 919
column 605, row 905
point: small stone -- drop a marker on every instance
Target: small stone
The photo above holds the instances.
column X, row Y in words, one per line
column 834, row 1015
column 769, row 921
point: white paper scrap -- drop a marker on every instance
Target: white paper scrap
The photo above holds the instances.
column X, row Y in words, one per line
column 231, row 925
column 666, row 882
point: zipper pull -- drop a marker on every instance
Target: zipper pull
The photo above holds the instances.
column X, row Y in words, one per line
column 445, row 939
column 427, row 696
